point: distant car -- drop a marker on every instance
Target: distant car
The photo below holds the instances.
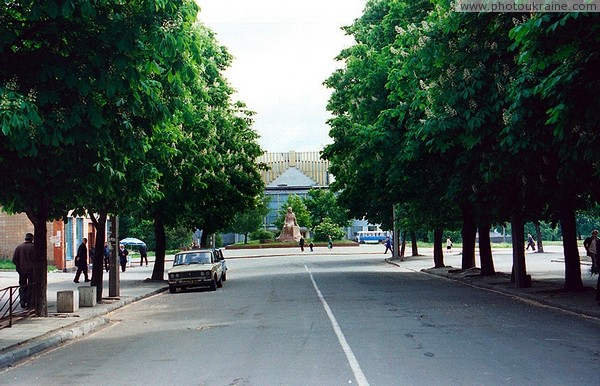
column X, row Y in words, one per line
column 197, row 268
column 221, row 258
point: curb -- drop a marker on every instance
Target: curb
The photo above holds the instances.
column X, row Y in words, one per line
column 77, row 329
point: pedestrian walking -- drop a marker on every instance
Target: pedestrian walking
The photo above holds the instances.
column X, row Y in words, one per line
column 81, row 261
column 329, row 242
column 449, row 243
column 388, row 246
column 106, row 256
column 311, row 246
column 530, row 242
column 143, row 255
column 123, row 257
column 591, row 246
column 23, row 258
column 302, row 243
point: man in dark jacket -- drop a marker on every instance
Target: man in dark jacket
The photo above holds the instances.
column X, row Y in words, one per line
column 592, row 247
column 81, row 261
column 106, row 256
column 23, row 258
column 123, row 257
column 143, row 255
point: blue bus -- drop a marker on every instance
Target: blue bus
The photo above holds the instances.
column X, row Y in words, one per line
column 371, row 237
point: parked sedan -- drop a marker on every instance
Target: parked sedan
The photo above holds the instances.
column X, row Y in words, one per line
column 198, row 268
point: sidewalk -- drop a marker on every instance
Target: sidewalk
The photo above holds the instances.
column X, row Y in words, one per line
column 29, row 336
column 33, row 335
column 547, row 272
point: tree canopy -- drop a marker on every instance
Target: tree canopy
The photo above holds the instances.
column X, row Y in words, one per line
column 490, row 116
column 112, row 106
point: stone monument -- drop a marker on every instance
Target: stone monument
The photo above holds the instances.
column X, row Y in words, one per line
column 290, row 230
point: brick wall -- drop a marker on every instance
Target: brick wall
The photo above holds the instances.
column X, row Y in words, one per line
column 12, row 233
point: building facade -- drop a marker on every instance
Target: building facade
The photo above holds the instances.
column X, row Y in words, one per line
column 292, row 173
column 62, row 238
column 297, row 173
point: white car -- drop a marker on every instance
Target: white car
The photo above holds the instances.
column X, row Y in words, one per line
column 197, row 268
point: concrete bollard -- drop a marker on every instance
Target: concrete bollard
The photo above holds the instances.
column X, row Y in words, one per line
column 87, row 296
column 67, row 301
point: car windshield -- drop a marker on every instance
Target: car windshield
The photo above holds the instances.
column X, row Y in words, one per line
column 192, row 258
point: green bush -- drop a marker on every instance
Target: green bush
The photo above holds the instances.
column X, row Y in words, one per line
column 262, row 234
column 7, row 264
column 327, row 228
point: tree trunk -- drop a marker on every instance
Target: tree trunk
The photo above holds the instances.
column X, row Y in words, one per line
column 40, row 264
column 98, row 263
column 485, row 250
column 204, row 239
column 572, row 263
column 402, row 245
column 158, row 272
column 438, row 250
column 413, row 242
column 519, row 272
column 538, row 237
column 468, row 232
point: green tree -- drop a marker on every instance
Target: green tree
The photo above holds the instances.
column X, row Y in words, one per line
column 328, row 228
column 251, row 220
column 556, row 102
column 205, row 154
column 79, row 102
column 360, row 152
column 323, row 204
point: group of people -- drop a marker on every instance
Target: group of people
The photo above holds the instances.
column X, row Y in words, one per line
column 311, row 245
column 81, row 261
column 24, row 257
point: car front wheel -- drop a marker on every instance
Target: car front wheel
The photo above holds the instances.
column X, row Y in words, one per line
column 172, row 289
column 213, row 284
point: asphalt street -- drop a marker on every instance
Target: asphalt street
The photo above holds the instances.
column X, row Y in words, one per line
column 327, row 319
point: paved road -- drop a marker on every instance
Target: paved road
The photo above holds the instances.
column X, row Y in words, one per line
column 327, row 320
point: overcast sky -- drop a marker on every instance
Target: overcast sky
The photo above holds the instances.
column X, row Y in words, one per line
column 283, row 51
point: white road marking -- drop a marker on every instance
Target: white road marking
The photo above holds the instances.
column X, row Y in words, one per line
column 358, row 374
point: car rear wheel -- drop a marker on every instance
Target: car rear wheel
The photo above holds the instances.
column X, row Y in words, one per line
column 224, row 277
column 220, row 282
